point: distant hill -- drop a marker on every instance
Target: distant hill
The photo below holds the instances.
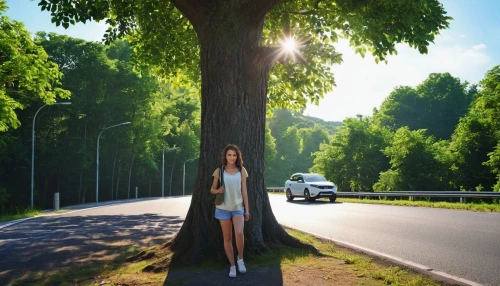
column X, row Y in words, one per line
column 283, row 118
column 330, row 126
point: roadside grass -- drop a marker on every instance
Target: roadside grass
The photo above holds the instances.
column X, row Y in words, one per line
column 335, row 265
column 473, row 206
column 19, row 214
column 477, row 205
column 327, row 264
column 29, row 213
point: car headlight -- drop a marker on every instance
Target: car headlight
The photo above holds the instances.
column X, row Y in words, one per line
column 314, row 186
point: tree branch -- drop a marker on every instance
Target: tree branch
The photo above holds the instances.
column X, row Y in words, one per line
column 194, row 10
column 307, row 12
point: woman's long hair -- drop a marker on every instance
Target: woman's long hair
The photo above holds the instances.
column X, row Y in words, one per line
column 239, row 159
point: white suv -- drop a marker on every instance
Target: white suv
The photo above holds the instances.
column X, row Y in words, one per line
column 310, row 187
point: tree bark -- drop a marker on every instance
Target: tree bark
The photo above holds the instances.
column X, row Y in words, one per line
column 234, row 71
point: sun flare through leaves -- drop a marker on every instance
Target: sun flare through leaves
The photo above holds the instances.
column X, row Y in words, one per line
column 290, row 49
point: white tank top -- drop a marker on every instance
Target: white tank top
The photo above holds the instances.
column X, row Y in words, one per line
column 233, row 200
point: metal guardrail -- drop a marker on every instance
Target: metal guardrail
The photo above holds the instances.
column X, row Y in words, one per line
column 275, row 189
column 422, row 194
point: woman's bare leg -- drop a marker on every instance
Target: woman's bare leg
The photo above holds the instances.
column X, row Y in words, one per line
column 227, row 234
column 239, row 223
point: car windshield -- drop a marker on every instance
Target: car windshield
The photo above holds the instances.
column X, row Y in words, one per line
column 314, row 178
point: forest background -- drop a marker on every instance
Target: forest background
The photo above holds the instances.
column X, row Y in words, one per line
column 440, row 135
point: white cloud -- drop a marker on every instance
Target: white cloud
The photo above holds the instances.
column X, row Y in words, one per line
column 479, row 47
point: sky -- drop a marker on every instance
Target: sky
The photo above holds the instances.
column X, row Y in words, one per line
column 466, row 50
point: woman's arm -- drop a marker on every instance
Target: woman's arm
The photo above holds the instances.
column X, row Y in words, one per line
column 245, row 196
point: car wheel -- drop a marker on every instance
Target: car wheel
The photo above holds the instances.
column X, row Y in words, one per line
column 333, row 198
column 307, row 196
column 289, row 196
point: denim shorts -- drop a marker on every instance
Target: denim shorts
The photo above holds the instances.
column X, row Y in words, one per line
column 227, row 215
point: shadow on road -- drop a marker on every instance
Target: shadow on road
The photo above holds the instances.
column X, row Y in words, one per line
column 46, row 245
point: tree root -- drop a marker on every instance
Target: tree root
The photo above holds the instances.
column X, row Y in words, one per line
column 160, row 256
column 158, row 266
column 143, row 255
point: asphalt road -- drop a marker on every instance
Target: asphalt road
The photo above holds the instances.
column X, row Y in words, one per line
column 460, row 243
column 52, row 243
column 463, row 244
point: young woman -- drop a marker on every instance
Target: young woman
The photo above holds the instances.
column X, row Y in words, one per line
column 234, row 210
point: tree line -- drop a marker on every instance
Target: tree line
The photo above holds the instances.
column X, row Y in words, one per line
column 441, row 135
column 105, row 88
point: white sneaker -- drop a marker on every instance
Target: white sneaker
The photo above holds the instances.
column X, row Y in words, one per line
column 241, row 266
column 232, row 271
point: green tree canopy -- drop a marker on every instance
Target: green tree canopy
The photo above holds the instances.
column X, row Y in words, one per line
column 308, row 135
column 26, row 73
column 167, row 34
column 476, row 137
column 414, row 166
column 354, row 158
column 436, row 105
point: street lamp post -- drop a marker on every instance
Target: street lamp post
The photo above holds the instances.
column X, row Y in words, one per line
column 163, row 171
column 97, row 166
column 33, row 147
column 184, row 175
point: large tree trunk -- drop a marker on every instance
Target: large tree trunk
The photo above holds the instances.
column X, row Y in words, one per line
column 235, row 70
